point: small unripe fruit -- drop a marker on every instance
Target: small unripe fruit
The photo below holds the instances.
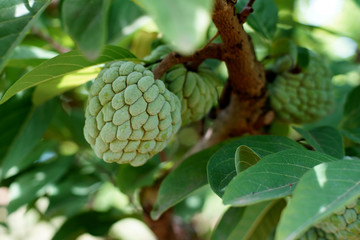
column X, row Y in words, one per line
column 301, row 96
column 197, row 91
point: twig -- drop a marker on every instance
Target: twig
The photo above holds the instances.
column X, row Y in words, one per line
column 58, row 47
column 246, row 11
column 211, row 51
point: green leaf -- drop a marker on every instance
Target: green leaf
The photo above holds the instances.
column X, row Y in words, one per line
column 350, row 124
column 94, row 223
column 11, row 120
column 221, row 167
column 52, row 88
column 183, row 22
column 62, row 65
column 245, row 157
column 324, row 139
column 27, row 138
column 16, row 18
column 69, row 196
column 275, row 176
column 320, row 192
column 32, row 184
column 121, row 19
column 227, row 223
column 131, row 178
column 188, row 177
column 264, row 18
column 29, row 56
column 86, row 22
column 255, row 223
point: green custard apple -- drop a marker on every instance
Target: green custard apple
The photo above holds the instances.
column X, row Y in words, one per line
column 301, row 95
column 130, row 116
column 197, row 91
column 344, row 223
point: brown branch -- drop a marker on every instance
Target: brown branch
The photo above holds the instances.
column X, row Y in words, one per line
column 246, row 11
column 58, row 47
column 213, row 50
column 243, row 103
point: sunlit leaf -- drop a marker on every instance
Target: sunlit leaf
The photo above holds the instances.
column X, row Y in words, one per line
column 16, row 18
column 50, row 89
column 62, row 65
column 320, row 192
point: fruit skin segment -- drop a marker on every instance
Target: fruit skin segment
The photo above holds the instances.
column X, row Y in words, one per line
column 343, row 224
column 130, row 116
column 197, row 91
column 304, row 96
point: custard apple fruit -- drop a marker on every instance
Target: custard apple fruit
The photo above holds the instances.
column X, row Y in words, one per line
column 301, row 97
column 317, row 234
column 197, row 91
column 158, row 53
column 344, row 223
column 130, row 116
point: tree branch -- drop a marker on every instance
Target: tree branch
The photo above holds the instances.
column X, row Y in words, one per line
column 247, row 10
column 213, row 50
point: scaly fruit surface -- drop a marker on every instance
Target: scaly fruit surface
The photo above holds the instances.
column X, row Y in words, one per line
column 130, row 116
column 317, row 234
column 344, row 223
column 196, row 90
column 304, row 96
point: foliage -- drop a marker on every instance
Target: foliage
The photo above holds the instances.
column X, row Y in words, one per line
column 276, row 184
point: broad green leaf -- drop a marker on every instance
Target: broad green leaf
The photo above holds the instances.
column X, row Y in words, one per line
column 221, row 167
column 32, row 184
column 188, row 177
column 43, row 151
column 25, row 56
column 62, row 65
column 274, row 176
column 11, row 120
column 27, row 138
column 16, row 18
column 50, row 89
column 264, row 18
column 184, row 23
column 227, row 223
column 122, row 19
column 255, row 222
column 130, row 178
column 350, row 124
column 320, row 192
column 69, row 196
column 245, row 157
column 324, row 139
column 94, row 223
column 86, row 22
